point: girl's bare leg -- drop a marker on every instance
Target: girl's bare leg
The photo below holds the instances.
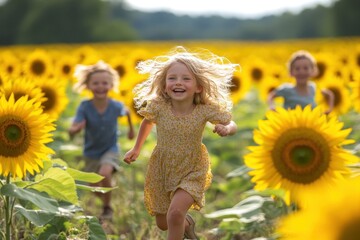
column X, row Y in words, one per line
column 179, row 206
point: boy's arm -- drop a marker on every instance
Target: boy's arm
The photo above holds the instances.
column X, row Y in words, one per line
column 75, row 128
column 131, row 133
column 144, row 131
column 329, row 96
column 270, row 100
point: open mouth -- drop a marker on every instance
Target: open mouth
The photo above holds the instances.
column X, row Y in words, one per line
column 178, row 90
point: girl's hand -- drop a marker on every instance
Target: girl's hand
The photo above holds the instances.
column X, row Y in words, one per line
column 221, row 130
column 131, row 156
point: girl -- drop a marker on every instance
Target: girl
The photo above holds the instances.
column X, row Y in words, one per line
column 184, row 91
column 302, row 66
column 99, row 117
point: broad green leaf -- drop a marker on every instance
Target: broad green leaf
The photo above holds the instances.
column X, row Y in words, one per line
column 95, row 189
column 239, row 172
column 57, row 183
column 43, row 202
column 37, row 217
column 96, row 232
column 84, row 176
column 251, row 205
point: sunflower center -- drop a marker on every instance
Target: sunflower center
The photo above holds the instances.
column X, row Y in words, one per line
column 301, row 155
column 235, row 84
column 66, row 69
column 50, row 99
column 257, row 74
column 350, row 231
column 120, row 70
column 14, row 137
column 38, row 67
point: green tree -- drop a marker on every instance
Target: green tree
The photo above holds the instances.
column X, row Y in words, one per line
column 12, row 15
column 61, row 21
column 347, row 17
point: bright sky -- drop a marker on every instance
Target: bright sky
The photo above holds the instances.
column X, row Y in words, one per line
column 226, row 8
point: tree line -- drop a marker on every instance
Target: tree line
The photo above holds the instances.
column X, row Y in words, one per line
column 88, row 21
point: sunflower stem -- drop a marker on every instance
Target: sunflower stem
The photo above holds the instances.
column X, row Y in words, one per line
column 8, row 213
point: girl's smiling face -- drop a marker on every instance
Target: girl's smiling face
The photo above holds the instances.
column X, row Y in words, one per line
column 100, row 83
column 181, row 84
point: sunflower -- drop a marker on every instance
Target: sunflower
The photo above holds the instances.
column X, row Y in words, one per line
column 86, row 54
column 355, row 94
column 299, row 151
column 10, row 65
column 255, row 70
column 239, row 88
column 38, row 64
column 55, row 94
column 24, row 131
column 341, row 93
column 21, row 87
column 64, row 67
column 324, row 64
column 334, row 214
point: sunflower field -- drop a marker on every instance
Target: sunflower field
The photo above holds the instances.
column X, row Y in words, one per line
column 283, row 175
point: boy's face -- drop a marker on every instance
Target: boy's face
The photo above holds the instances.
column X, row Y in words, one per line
column 100, row 83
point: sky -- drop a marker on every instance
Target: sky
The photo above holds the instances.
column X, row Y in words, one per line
column 226, row 8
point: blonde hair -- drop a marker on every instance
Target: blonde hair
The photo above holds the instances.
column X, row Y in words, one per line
column 83, row 73
column 302, row 54
column 213, row 73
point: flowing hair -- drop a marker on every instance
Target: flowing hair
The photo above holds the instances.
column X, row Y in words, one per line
column 83, row 73
column 213, row 73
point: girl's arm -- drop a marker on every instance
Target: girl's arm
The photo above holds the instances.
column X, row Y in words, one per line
column 131, row 133
column 144, row 131
column 225, row 130
column 329, row 96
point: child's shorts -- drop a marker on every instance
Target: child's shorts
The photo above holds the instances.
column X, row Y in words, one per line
column 93, row 165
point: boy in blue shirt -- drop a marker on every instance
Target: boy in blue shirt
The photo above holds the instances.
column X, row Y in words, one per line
column 99, row 117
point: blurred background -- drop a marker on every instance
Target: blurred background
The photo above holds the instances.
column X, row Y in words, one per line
column 80, row 21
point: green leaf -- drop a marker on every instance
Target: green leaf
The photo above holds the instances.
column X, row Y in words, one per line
column 239, row 172
column 84, row 176
column 37, row 217
column 251, row 205
column 57, row 183
column 96, row 232
column 43, row 202
column 95, row 189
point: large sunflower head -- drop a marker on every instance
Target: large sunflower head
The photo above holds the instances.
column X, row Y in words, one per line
column 298, row 150
column 333, row 214
column 24, row 131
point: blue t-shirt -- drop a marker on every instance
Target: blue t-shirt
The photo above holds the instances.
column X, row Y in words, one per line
column 100, row 129
column 292, row 98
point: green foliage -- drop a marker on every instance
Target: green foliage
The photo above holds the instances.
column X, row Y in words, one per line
column 49, row 202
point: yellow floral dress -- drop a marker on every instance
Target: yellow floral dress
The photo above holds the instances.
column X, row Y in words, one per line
column 180, row 159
